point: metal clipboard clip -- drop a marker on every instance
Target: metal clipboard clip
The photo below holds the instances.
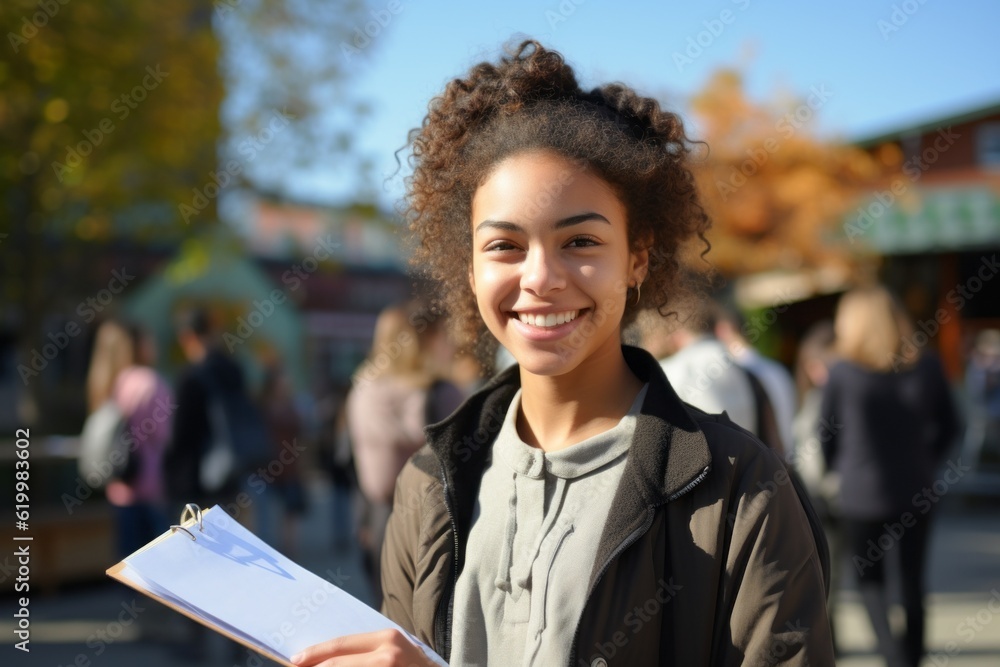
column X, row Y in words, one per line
column 191, row 511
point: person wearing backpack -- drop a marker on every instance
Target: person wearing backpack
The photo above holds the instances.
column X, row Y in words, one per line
column 203, row 464
column 219, row 437
column 121, row 378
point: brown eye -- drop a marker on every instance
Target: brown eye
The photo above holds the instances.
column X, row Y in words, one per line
column 582, row 242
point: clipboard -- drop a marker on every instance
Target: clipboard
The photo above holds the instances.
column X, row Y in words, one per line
column 216, row 572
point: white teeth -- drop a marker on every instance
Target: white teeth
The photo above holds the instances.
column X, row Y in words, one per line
column 550, row 320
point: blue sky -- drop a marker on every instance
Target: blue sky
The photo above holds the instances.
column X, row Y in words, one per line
column 885, row 63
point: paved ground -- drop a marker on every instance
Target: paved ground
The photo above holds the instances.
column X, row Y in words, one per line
column 67, row 628
column 963, row 626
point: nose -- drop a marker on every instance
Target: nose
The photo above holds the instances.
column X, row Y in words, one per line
column 542, row 271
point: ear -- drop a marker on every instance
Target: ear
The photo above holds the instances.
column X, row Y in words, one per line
column 639, row 268
column 472, row 279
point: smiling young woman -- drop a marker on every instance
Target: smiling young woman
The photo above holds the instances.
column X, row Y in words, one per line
column 541, row 278
column 575, row 511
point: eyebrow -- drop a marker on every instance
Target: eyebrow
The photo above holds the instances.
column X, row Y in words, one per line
column 560, row 224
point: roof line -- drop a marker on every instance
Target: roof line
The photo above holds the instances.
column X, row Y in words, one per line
column 967, row 116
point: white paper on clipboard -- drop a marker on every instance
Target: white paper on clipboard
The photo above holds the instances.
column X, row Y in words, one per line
column 230, row 579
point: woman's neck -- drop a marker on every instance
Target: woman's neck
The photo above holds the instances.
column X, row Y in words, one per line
column 557, row 412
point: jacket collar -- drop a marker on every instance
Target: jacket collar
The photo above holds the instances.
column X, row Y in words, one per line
column 669, row 452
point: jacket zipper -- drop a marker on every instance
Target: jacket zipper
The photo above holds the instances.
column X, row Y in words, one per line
column 626, row 543
column 445, row 638
column 690, row 485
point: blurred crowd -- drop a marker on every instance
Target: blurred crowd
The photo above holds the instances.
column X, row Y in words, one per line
column 864, row 422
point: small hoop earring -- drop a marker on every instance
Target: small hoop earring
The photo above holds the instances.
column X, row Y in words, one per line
column 638, row 292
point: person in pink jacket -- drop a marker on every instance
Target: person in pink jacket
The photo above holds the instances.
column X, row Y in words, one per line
column 397, row 391
column 121, row 371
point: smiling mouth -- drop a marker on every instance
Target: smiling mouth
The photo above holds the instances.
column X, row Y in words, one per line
column 548, row 320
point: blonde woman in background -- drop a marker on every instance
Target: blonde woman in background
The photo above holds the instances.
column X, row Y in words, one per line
column 895, row 420
column 113, row 352
column 120, row 370
column 397, row 391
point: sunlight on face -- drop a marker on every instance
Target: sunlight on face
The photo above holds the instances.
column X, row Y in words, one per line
column 551, row 262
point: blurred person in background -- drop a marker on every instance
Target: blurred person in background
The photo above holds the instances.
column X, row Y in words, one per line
column 210, row 373
column 895, row 421
column 121, row 371
column 728, row 326
column 333, row 445
column 812, row 368
column 982, row 390
column 284, row 429
column 396, row 392
column 699, row 366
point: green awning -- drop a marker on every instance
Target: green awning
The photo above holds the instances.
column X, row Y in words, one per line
column 925, row 220
column 212, row 271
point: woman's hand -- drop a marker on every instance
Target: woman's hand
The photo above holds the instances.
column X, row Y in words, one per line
column 385, row 648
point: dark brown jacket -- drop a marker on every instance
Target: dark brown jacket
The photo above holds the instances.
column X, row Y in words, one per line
column 707, row 556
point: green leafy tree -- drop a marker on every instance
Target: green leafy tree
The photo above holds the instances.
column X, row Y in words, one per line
column 112, row 129
column 290, row 109
column 108, row 116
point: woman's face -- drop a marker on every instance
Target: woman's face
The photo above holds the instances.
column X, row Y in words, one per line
column 551, row 261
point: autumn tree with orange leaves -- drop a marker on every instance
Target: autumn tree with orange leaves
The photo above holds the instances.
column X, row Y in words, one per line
column 776, row 192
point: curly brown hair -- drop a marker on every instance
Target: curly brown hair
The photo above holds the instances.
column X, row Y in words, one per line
column 531, row 101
